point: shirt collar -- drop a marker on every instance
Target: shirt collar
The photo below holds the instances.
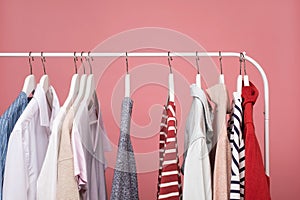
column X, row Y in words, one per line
column 40, row 96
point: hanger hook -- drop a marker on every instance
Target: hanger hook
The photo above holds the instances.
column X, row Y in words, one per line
column 197, row 62
column 81, row 60
column 126, row 62
column 169, row 61
column 244, row 60
column 88, row 58
column 241, row 61
column 30, row 64
column 75, row 62
column 43, row 59
column 220, row 59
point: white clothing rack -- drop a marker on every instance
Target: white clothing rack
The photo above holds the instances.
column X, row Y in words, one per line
column 177, row 54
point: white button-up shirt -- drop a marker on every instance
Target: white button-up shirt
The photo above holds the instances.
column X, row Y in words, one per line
column 28, row 145
column 46, row 183
column 197, row 142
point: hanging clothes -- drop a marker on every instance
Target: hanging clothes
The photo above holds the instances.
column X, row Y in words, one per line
column 237, row 149
column 220, row 156
column 89, row 133
column 169, row 178
column 125, row 183
column 256, row 181
column 67, row 186
column 197, row 170
column 7, row 123
column 28, row 145
column 47, row 180
column 162, row 140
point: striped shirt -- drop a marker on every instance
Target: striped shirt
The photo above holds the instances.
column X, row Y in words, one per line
column 237, row 149
column 169, row 179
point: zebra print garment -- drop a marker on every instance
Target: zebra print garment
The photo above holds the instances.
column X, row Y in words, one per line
column 237, row 149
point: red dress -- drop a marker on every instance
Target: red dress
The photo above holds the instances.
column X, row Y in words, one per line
column 256, row 181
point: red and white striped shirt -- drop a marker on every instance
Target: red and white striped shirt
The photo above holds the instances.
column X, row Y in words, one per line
column 169, row 179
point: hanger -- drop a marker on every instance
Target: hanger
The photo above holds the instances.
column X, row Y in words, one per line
column 221, row 78
column 246, row 78
column 29, row 82
column 74, row 87
column 44, row 81
column 82, row 87
column 171, row 80
column 127, row 79
column 90, row 85
column 198, row 76
column 240, row 78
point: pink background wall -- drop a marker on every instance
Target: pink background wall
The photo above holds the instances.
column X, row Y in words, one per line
column 268, row 30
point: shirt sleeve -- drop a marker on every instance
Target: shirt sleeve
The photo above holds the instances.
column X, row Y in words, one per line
column 15, row 178
column 3, row 148
column 80, row 172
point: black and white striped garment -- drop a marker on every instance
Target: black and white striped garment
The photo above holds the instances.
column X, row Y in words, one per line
column 237, row 149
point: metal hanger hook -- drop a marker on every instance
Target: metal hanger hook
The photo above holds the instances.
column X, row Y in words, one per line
column 220, row 59
column 75, row 62
column 197, row 62
column 81, row 60
column 30, row 64
column 241, row 61
column 126, row 62
column 169, row 61
column 43, row 59
column 244, row 60
column 88, row 58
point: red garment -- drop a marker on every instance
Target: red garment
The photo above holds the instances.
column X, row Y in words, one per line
column 256, row 181
column 169, row 179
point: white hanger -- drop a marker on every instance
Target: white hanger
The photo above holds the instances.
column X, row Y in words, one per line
column 29, row 83
column 198, row 76
column 90, row 84
column 82, row 88
column 90, row 89
column 127, row 85
column 44, row 81
column 246, row 78
column 127, row 79
column 171, row 81
column 240, row 78
column 74, row 87
column 239, row 83
column 221, row 78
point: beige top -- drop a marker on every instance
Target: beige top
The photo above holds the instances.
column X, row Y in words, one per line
column 221, row 153
column 66, row 184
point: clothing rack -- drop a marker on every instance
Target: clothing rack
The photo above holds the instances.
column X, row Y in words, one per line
column 175, row 54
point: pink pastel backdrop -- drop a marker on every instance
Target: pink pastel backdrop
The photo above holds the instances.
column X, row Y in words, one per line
column 267, row 30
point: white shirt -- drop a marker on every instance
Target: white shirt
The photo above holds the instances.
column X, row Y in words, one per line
column 27, row 146
column 46, row 183
column 197, row 171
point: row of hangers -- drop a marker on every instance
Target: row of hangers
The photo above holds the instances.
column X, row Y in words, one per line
column 82, row 88
column 240, row 78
